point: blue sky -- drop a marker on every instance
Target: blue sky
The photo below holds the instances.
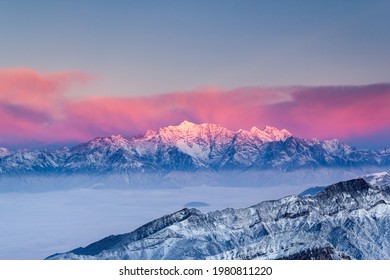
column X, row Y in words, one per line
column 151, row 47
column 74, row 70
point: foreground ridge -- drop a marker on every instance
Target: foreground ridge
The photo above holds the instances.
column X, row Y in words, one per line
column 346, row 220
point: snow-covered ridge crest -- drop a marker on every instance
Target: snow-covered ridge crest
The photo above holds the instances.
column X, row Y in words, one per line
column 188, row 130
column 4, row 152
column 206, row 141
column 271, row 134
column 192, row 147
column 378, row 179
column 347, row 220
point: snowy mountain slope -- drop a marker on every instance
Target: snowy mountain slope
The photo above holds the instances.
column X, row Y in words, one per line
column 36, row 162
column 378, row 179
column 347, row 220
column 191, row 147
column 4, row 152
column 101, row 155
column 311, row 191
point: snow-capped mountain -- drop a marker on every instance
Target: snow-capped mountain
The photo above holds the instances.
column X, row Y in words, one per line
column 347, row 220
column 4, row 152
column 191, row 147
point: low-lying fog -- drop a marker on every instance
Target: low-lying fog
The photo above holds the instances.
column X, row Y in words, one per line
column 36, row 225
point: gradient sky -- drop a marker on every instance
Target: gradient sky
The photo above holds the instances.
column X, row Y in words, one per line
column 73, row 70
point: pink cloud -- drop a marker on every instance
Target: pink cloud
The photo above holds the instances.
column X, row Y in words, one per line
column 322, row 112
column 34, row 107
column 339, row 112
column 26, row 88
column 29, row 101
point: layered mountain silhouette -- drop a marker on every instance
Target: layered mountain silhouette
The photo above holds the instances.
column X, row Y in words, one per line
column 192, row 147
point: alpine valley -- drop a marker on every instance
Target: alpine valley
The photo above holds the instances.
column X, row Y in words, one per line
column 347, row 220
column 189, row 154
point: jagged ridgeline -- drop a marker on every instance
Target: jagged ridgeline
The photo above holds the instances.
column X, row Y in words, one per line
column 347, row 220
column 187, row 148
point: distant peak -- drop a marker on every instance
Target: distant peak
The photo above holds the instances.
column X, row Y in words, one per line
column 149, row 133
column 186, row 123
column 272, row 129
column 112, row 138
column 4, row 152
column 116, row 137
column 267, row 127
column 286, row 132
column 270, row 133
column 107, row 139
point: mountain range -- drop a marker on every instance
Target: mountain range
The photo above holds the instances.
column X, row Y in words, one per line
column 192, row 147
column 346, row 220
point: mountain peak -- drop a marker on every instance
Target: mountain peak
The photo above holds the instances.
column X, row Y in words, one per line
column 116, row 137
column 380, row 178
column 4, row 152
column 188, row 127
column 113, row 140
column 270, row 134
column 188, row 134
column 149, row 133
column 190, row 146
column 274, row 130
column 186, row 123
